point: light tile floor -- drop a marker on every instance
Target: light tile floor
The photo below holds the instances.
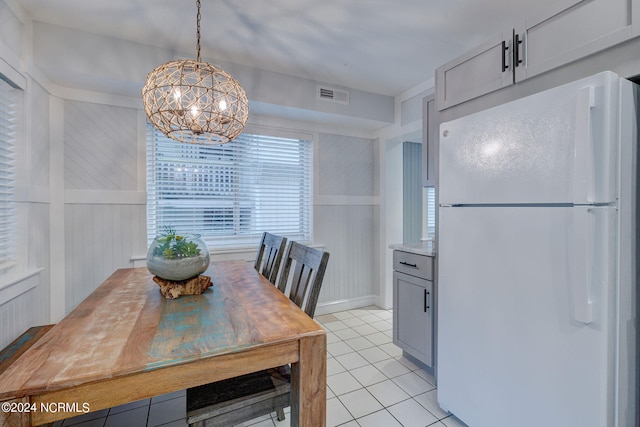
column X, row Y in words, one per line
column 369, row 384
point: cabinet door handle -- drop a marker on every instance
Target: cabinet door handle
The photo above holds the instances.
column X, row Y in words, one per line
column 505, row 48
column 516, row 51
column 426, row 300
column 408, row 264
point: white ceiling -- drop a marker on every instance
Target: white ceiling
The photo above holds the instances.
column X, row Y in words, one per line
column 381, row 46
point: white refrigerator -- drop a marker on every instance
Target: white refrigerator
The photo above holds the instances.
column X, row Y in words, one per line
column 538, row 293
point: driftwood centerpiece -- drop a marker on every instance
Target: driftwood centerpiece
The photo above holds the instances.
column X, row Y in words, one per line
column 173, row 289
column 177, row 260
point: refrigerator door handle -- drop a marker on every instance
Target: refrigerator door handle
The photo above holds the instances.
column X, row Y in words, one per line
column 583, row 247
column 583, row 173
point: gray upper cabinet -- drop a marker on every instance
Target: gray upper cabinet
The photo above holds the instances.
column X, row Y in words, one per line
column 568, row 31
column 573, row 29
column 481, row 70
column 429, row 141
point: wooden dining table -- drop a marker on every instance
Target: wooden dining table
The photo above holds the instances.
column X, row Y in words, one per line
column 126, row 342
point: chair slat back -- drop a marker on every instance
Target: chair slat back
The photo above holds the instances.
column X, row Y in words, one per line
column 309, row 266
column 269, row 256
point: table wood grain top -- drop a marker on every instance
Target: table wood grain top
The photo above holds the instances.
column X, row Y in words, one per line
column 126, row 327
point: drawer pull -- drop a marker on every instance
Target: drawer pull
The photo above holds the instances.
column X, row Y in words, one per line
column 408, row 264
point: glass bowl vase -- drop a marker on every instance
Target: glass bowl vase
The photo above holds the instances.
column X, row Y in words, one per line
column 177, row 257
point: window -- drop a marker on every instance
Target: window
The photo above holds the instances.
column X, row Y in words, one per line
column 10, row 98
column 429, row 212
column 231, row 193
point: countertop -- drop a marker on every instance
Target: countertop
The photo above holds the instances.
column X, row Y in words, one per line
column 419, row 248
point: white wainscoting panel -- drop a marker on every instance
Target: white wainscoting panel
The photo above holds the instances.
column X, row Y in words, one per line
column 100, row 146
column 22, row 312
column 100, row 239
column 346, row 202
column 345, row 166
column 347, row 232
column 25, row 303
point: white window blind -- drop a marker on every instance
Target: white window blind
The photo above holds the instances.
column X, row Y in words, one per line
column 9, row 109
column 231, row 193
column 429, row 212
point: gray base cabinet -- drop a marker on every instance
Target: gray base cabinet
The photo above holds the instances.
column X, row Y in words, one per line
column 414, row 305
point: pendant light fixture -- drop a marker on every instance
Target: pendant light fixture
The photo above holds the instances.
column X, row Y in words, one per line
column 194, row 101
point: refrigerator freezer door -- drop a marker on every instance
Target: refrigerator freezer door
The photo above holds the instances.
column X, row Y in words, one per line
column 557, row 146
column 514, row 347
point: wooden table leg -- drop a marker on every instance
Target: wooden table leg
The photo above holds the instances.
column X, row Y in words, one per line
column 309, row 383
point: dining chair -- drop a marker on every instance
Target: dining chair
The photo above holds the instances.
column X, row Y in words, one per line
column 303, row 286
column 236, row 400
column 269, row 255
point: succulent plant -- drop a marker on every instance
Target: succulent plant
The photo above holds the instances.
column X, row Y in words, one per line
column 175, row 246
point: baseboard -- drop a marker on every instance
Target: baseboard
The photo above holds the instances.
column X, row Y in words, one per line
column 347, row 304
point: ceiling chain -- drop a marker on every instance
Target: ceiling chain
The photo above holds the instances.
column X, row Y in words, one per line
column 198, row 32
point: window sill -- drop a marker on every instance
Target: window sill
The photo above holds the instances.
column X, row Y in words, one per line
column 19, row 285
column 6, row 266
column 141, row 260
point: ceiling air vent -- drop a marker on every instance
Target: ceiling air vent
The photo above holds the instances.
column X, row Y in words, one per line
column 333, row 95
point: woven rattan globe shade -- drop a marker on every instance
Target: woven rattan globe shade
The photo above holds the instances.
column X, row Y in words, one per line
column 195, row 102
